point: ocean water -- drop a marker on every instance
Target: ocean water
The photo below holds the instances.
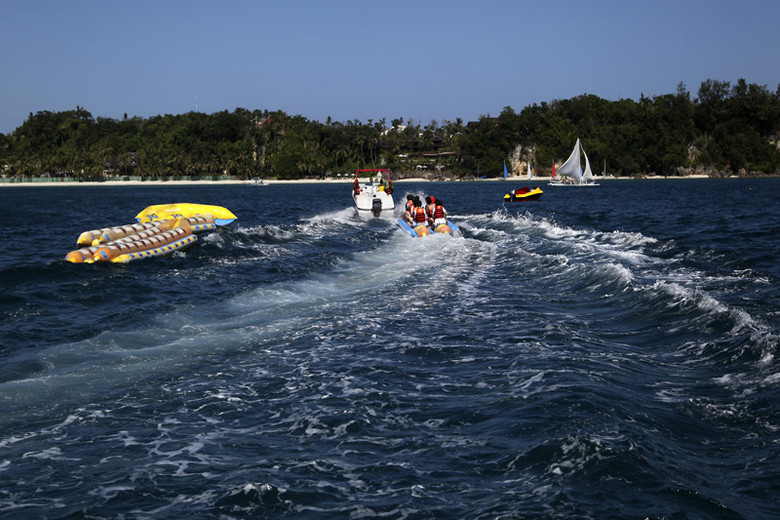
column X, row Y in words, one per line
column 605, row 352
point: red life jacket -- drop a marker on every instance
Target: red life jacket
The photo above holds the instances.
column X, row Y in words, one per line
column 409, row 205
column 438, row 212
column 419, row 215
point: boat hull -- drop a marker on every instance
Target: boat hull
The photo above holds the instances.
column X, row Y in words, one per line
column 524, row 194
column 372, row 202
column 573, row 184
column 373, row 198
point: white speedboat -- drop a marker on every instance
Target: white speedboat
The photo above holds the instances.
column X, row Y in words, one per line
column 374, row 197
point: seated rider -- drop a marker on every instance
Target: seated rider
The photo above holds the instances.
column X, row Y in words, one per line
column 429, row 205
column 418, row 215
column 439, row 214
column 408, row 209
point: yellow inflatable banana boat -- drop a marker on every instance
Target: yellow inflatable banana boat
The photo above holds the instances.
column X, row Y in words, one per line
column 423, row 231
column 160, row 231
column 222, row 216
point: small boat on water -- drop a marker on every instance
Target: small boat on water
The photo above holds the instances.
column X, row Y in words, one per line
column 570, row 173
column 374, row 197
column 160, row 231
column 523, row 194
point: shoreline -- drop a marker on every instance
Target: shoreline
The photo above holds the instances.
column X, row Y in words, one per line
column 268, row 182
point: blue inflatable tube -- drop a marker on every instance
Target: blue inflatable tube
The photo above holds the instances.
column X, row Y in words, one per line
column 453, row 227
column 406, row 227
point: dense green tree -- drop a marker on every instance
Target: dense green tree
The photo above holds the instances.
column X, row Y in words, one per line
column 731, row 129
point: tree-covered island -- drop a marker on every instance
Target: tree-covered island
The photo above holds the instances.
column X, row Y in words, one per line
column 724, row 130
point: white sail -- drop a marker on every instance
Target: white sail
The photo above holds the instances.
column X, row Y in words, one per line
column 529, row 170
column 588, row 175
column 571, row 168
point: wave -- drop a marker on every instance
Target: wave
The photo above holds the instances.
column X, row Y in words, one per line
column 362, row 279
column 642, row 280
column 620, row 305
column 327, row 365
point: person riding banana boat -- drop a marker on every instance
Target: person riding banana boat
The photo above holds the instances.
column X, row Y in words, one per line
column 439, row 215
column 430, row 205
column 410, row 205
column 419, row 221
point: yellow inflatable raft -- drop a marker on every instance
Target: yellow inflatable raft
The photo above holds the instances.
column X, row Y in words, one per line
column 161, row 230
column 222, row 216
column 422, row 230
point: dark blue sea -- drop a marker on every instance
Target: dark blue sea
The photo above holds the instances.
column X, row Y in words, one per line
column 607, row 352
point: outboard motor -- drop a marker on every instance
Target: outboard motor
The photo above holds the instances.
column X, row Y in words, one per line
column 376, row 207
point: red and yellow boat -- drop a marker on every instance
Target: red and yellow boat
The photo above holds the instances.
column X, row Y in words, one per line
column 523, row 194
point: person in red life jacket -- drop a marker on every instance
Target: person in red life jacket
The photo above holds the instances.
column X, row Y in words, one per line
column 429, row 206
column 356, row 186
column 439, row 214
column 408, row 209
column 415, row 202
column 418, row 215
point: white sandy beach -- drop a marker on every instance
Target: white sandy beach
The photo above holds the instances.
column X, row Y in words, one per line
column 523, row 179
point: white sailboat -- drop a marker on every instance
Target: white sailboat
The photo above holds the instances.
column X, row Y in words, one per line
column 529, row 170
column 604, row 174
column 570, row 173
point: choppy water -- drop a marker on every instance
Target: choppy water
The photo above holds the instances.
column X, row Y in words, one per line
column 606, row 352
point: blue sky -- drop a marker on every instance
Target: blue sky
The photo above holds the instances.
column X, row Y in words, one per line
column 361, row 60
